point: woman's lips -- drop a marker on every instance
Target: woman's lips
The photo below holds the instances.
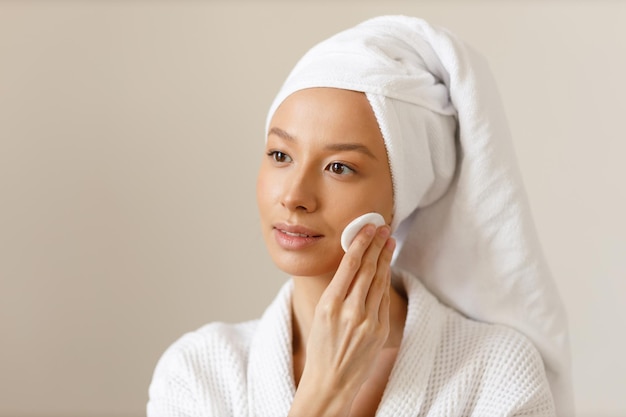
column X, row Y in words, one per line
column 294, row 237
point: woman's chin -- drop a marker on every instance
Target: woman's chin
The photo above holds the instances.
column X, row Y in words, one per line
column 307, row 272
column 298, row 267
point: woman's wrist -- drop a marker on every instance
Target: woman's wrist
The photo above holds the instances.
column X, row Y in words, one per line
column 322, row 398
column 316, row 404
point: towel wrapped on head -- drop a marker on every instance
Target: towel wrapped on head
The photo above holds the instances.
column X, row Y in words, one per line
column 408, row 96
column 461, row 216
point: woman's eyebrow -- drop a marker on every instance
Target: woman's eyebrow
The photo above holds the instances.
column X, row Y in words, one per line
column 336, row 147
column 351, row 147
column 281, row 134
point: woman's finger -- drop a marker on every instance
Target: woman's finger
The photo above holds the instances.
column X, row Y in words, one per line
column 380, row 282
column 358, row 291
column 383, row 307
column 351, row 263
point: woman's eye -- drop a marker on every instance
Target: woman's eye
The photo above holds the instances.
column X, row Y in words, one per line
column 339, row 168
column 279, row 157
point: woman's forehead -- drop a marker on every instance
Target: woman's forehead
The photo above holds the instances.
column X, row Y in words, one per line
column 327, row 114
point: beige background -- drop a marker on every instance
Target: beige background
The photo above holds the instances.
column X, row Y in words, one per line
column 130, row 134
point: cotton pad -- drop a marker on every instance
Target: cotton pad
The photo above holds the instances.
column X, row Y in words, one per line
column 356, row 225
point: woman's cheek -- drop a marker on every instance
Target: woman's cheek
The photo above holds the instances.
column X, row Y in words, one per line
column 268, row 189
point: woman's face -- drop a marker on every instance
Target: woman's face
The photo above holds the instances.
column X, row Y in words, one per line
column 325, row 164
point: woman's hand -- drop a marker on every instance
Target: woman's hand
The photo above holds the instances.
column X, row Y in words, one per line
column 350, row 327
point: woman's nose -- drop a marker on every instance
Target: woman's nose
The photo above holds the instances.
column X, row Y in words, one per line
column 300, row 192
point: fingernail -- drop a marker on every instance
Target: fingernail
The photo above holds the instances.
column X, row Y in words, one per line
column 370, row 229
column 383, row 231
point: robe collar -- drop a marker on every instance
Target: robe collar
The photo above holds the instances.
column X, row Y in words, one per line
column 271, row 386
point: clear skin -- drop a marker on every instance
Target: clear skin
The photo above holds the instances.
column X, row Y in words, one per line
column 325, row 165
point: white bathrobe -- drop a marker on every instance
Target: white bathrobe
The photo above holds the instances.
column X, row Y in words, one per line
column 447, row 366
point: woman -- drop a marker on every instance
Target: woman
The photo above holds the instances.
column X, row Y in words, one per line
column 397, row 117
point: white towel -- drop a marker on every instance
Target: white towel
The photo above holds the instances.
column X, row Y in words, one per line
column 462, row 219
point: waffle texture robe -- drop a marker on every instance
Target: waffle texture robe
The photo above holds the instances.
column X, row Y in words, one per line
column 447, row 365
